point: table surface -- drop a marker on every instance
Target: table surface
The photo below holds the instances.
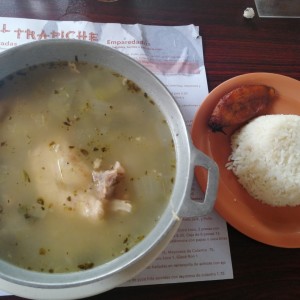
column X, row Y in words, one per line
column 232, row 46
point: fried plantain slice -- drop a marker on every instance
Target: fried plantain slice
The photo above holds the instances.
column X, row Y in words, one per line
column 240, row 105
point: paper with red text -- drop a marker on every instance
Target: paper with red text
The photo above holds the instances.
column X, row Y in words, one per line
column 200, row 249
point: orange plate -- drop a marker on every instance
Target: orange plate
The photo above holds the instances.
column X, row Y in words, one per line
column 270, row 225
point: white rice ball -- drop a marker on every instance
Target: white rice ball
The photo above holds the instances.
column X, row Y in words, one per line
column 266, row 159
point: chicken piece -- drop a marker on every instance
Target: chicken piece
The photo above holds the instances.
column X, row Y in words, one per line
column 240, row 105
column 55, row 166
column 88, row 206
column 121, row 205
column 65, row 181
column 105, row 181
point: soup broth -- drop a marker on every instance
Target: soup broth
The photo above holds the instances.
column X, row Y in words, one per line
column 87, row 165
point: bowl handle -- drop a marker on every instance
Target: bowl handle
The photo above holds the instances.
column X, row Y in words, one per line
column 192, row 208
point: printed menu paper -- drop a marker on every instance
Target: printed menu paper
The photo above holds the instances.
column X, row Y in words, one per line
column 200, row 249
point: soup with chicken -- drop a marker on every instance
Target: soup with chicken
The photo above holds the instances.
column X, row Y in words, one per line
column 87, row 165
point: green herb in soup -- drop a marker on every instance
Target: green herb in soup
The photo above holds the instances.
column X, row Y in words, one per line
column 87, row 166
